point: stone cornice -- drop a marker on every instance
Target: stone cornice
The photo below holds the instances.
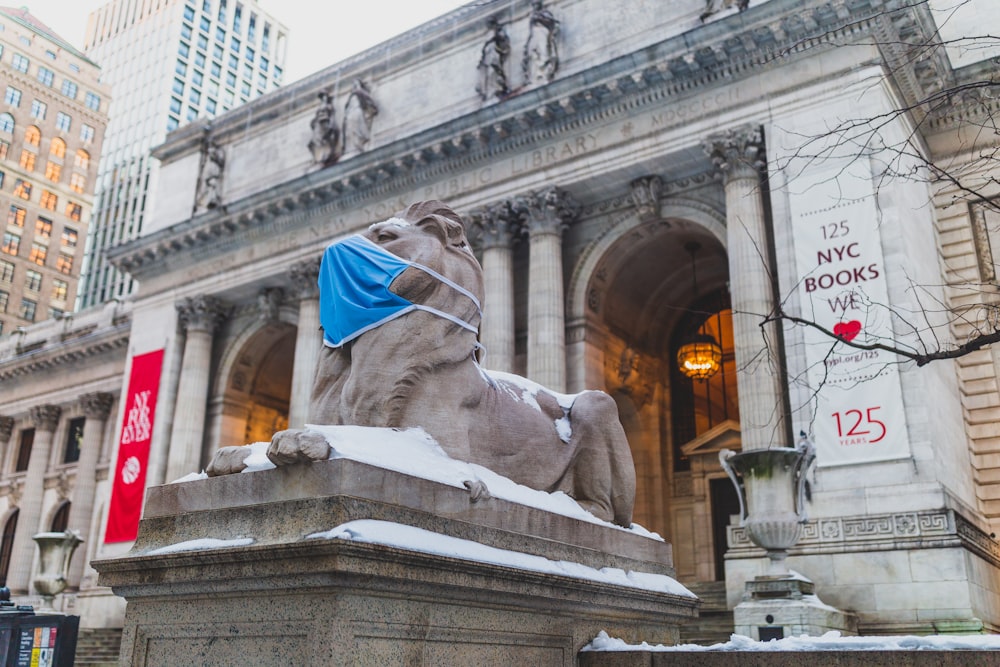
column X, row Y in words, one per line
column 763, row 37
column 65, row 353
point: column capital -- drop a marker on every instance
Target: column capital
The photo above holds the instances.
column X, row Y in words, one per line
column 497, row 225
column 269, row 303
column 46, row 417
column 6, row 428
column 549, row 211
column 202, row 313
column 645, row 195
column 737, row 152
column 96, row 405
column 305, row 278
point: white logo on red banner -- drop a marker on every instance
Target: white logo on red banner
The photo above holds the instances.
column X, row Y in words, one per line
column 131, row 469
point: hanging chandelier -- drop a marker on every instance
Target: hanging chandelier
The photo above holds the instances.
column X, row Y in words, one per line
column 700, row 356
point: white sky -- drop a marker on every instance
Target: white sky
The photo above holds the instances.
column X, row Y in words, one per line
column 321, row 32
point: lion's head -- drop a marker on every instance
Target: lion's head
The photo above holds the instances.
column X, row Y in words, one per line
column 432, row 234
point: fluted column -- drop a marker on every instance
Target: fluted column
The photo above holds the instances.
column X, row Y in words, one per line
column 498, row 226
column 738, row 154
column 6, row 430
column 96, row 408
column 45, row 418
column 549, row 213
column 308, row 340
column 199, row 316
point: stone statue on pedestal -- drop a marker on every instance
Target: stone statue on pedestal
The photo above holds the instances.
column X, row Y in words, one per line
column 210, row 178
column 324, row 143
column 493, row 63
column 541, row 53
column 359, row 114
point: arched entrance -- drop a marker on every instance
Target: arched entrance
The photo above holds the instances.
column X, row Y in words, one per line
column 652, row 289
column 258, row 383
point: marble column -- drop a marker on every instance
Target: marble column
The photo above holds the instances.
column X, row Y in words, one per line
column 739, row 155
column 22, row 556
column 6, row 430
column 308, row 340
column 199, row 316
column 96, row 408
column 159, row 448
column 549, row 213
column 498, row 226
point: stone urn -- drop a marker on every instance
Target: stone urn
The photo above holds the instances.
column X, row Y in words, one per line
column 771, row 484
column 55, row 551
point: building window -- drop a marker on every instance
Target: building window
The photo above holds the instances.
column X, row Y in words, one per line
column 204, row 24
column 20, row 63
column 231, row 79
column 22, row 189
column 12, row 96
column 199, row 59
column 46, row 76
column 220, row 35
column 172, row 123
column 192, row 113
column 74, row 67
column 24, row 449
column 9, row 531
column 82, row 159
column 38, row 109
column 178, row 87
column 197, row 78
column 6, row 123
column 57, row 148
column 63, row 121
column 60, row 289
column 64, row 263
column 203, row 42
column 74, row 440
column 235, row 45
column 15, row 216
column 28, row 308
column 43, row 228
column 4, row 300
column 11, row 243
column 264, row 63
column 69, row 238
column 49, row 200
column 210, row 106
column 69, row 89
column 181, row 67
column 74, row 211
column 51, row 55
column 4, row 147
column 32, row 136
column 38, row 254
column 186, row 31
column 250, row 54
column 86, row 132
column 92, row 101
column 33, row 281
column 53, row 171
column 175, row 105
column 60, row 520
column 195, row 96
column 184, row 50
column 217, row 52
column 6, row 271
column 188, row 13
column 27, row 160
column 77, row 182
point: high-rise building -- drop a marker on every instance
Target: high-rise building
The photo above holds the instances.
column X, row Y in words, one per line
column 52, row 122
column 168, row 62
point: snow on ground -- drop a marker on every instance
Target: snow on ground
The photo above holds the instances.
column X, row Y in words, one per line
column 831, row 641
column 417, row 539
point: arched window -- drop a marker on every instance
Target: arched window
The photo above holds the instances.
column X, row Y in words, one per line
column 60, row 520
column 6, row 123
column 32, row 136
column 7, row 545
column 82, row 159
column 57, row 148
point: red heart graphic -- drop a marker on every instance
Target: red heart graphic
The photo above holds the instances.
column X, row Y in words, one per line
column 847, row 330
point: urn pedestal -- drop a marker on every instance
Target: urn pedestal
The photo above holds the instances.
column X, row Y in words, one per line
column 771, row 484
column 54, row 553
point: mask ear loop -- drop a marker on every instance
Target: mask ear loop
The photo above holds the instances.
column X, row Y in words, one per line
column 486, row 376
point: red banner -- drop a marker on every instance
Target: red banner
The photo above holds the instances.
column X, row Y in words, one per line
column 133, row 448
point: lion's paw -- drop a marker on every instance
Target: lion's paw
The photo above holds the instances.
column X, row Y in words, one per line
column 228, row 460
column 477, row 490
column 297, row 446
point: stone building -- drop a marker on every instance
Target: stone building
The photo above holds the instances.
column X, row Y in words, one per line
column 52, row 122
column 653, row 175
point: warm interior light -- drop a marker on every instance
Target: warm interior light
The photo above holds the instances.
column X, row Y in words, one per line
column 700, row 358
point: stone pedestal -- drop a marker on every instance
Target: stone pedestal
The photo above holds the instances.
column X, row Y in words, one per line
column 269, row 595
column 778, row 607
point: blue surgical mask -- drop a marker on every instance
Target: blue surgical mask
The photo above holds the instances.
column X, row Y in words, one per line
column 354, row 294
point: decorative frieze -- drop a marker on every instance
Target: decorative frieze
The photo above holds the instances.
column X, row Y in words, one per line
column 882, row 532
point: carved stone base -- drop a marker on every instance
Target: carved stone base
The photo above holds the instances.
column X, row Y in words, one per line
column 778, row 607
column 270, row 595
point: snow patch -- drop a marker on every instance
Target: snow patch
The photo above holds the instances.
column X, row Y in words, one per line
column 371, row 531
column 564, row 429
column 831, row 641
column 257, row 460
column 533, row 388
column 392, row 222
column 201, row 544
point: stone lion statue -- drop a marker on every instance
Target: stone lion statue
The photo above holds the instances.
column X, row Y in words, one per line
column 419, row 369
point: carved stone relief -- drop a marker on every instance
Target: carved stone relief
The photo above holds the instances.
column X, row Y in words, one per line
column 324, row 143
column 541, row 52
column 359, row 114
column 213, row 164
column 493, row 63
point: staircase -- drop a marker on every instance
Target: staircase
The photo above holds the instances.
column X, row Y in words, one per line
column 715, row 622
column 98, row 647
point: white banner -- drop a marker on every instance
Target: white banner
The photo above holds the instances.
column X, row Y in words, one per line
column 859, row 407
